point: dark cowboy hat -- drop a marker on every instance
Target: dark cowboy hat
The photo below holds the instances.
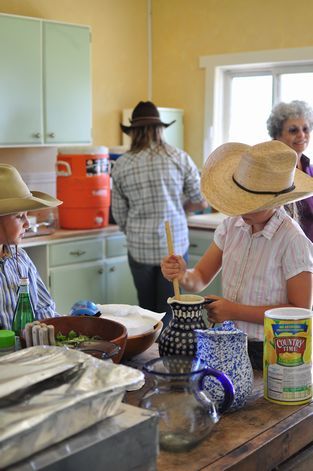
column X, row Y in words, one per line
column 144, row 114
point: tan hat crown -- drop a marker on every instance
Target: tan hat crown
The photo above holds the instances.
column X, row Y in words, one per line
column 15, row 195
column 238, row 179
column 11, row 184
column 266, row 168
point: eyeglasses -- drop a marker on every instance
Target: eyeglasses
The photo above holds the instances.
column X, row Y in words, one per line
column 296, row 129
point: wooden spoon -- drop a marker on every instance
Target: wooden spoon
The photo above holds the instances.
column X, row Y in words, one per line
column 171, row 252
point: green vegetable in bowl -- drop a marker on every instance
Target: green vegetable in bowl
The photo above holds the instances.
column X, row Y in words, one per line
column 72, row 339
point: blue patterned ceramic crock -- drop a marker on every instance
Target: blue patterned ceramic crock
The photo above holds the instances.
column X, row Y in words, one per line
column 225, row 348
column 179, row 338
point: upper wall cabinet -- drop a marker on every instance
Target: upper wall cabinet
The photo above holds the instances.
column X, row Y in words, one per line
column 45, row 83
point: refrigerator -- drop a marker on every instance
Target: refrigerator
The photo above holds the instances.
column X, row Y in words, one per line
column 174, row 134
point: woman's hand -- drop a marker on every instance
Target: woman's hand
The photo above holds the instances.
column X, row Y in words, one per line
column 220, row 309
column 173, row 266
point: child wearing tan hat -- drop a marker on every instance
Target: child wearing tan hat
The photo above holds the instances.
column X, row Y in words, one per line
column 265, row 257
column 15, row 201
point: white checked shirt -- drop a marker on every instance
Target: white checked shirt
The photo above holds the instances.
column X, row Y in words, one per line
column 42, row 302
column 259, row 265
column 150, row 187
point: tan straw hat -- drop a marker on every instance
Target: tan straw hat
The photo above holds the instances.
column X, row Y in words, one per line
column 239, row 179
column 15, row 196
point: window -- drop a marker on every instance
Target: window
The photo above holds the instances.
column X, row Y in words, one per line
column 241, row 90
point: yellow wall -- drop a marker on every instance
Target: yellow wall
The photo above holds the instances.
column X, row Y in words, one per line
column 184, row 30
column 119, row 53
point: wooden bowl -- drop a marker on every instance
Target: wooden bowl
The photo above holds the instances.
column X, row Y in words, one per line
column 106, row 329
column 137, row 344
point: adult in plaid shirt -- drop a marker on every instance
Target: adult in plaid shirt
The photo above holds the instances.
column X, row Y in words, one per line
column 153, row 182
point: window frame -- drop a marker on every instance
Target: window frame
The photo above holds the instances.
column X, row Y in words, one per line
column 220, row 68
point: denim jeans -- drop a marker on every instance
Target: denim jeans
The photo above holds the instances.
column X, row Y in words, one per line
column 255, row 351
column 153, row 289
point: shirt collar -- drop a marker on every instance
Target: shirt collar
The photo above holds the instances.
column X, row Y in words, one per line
column 271, row 226
column 6, row 253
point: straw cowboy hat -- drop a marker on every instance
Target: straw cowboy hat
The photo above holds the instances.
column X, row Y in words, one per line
column 15, row 196
column 144, row 114
column 239, row 179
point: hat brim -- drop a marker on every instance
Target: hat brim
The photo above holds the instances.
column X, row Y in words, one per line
column 222, row 193
column 37, row 200
column 140, row 124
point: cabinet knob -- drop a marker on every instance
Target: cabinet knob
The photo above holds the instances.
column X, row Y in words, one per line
column 112, row 269
column 100, row 271
column 51, row 134
column 194, row 246
column 37, row 135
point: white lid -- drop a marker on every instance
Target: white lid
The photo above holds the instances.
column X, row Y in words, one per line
column 88, row 150
column 289, row 313
column 118, row 149
column 24, row 281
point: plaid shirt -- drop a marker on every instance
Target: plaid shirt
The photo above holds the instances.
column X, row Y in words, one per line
column 150, row 187
column 9, row 281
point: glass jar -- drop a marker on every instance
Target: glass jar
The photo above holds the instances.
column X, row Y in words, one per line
column 186, row 414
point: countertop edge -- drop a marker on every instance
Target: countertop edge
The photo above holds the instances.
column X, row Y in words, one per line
column 63, row 234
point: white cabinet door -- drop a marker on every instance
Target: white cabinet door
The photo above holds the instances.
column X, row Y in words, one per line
column 20, row 81
column 67, row 84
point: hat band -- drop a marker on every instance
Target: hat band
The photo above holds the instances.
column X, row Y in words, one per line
column 146, row 118
column 276, row 193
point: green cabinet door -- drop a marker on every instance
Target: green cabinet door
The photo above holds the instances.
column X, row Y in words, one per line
column 20, row 81
column 215, row 287
column 71, row 283
column 120, row 288
column 200, row 240
column 67, row 83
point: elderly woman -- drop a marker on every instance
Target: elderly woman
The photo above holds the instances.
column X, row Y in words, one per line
column 292, row 123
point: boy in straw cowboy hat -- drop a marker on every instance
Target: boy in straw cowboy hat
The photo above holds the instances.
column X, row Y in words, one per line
column 153, row 182
column 267, row 260
column 15, row 201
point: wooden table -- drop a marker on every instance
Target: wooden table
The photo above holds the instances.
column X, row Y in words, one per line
column 260, row 436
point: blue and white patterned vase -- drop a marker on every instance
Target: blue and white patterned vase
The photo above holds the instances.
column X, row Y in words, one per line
column 179, row 338
column 225, row 348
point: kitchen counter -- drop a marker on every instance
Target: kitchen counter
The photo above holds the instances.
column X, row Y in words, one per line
column 262, row 435
column 199, row 221
column 205, row 221
column 61, row 234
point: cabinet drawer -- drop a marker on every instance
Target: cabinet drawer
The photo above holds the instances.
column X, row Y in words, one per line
column 75, row 252
column 116, row 246
column 199, row 241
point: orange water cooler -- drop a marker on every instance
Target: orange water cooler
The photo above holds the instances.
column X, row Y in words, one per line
column 83, row 184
